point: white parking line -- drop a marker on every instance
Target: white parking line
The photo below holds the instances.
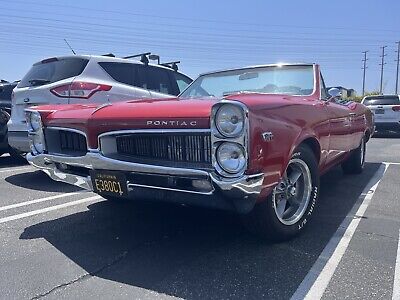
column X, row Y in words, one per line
column 391, row 163
column 17, row 169
column 315, row 283
column 47, row 209
column 11, row 206
column 396, row 283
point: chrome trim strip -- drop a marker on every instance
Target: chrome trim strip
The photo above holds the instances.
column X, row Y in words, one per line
column 133, row 131
column 93, row 160
column 170, row 189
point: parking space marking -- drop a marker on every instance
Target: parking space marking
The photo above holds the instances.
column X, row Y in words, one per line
column 396, row 282
column 316, row 281
column 47, row 209
column 17, row 169
column 3, row 208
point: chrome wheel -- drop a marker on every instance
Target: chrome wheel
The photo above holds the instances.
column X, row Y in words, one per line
column 292, row 195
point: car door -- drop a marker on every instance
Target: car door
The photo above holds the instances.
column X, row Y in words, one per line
column 340, row 120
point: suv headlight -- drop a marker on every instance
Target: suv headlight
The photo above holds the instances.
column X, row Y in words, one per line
column 231, row 157
column 34, row 121
column 229, row 120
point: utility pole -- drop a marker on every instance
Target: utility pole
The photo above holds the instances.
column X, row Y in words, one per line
column 364, row 68
column 397, row 69
column 382, row 64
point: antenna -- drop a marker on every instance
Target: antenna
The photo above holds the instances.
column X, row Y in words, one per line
column 65, row 40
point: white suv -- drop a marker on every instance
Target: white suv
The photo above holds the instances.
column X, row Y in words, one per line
column 386, row 109
column 88, row 79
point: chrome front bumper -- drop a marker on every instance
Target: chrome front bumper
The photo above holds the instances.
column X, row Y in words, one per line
column 239, row 194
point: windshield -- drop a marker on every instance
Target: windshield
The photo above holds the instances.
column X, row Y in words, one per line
column 290, row 80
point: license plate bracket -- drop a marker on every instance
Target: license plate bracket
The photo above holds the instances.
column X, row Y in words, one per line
column 109, row 183
column 379, row 111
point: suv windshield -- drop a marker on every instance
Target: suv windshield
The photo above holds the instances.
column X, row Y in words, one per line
column 381, row 100
column 290, row 80
column 53, row 70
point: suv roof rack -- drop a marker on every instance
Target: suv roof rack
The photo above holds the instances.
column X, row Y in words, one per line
column 143, row 57
column 109, row 55
column 173, row 65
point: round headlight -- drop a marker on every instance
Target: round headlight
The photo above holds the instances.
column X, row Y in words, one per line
column 230, row 120
column 37, row 144
column 231, row 158
column 35, row 121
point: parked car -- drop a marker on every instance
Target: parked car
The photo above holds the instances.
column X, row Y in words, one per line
column 89, row 79
column 386, row 109
column 253, row 140
column 6, row 89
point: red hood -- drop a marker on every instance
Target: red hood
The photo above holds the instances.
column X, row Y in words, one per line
column 172, row 113
column 137, row 114
column 147, row 114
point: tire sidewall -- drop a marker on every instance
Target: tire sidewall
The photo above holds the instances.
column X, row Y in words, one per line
column 286, row 231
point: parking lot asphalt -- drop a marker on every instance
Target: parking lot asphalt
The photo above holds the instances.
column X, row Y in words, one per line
column 59, row 242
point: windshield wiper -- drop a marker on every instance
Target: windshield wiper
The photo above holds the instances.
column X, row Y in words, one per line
column 36, row 82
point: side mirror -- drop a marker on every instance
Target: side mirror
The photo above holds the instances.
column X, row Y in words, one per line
column 335, row 93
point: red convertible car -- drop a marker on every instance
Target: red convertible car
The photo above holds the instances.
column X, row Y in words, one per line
column 253, row 140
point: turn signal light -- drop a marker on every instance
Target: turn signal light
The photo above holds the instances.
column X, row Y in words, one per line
column 83, row 90
column 396, row 108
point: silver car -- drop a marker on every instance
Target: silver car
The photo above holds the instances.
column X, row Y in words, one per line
column 88, row 79
column 386, row 109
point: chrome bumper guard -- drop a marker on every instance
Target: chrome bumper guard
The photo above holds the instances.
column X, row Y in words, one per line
column 239, row 194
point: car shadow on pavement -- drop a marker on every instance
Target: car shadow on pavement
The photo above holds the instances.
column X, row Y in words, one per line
column 38, row 180
column 7, row 161
column 197, row 253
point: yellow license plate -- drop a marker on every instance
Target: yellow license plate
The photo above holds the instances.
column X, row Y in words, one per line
column 109, row 183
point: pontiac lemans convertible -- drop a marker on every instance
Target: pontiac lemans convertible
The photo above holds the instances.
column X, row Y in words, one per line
column 252, row 140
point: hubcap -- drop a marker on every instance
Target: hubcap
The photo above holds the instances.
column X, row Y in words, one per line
column 292, row 195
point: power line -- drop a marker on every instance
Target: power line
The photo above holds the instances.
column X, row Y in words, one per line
column 382, row 64
column 185, row 19
column 144, row 31
column 397, row 68
column 364, row 69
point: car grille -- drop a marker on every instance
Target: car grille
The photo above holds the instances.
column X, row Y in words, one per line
column 178, row 150
column 72, row 141
column 65, row 142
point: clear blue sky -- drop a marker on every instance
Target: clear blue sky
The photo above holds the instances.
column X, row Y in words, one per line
column 209, row 34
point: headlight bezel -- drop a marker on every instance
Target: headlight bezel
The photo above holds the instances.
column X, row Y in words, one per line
column 242, row 154
column 217, row 139
column 241, row 117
